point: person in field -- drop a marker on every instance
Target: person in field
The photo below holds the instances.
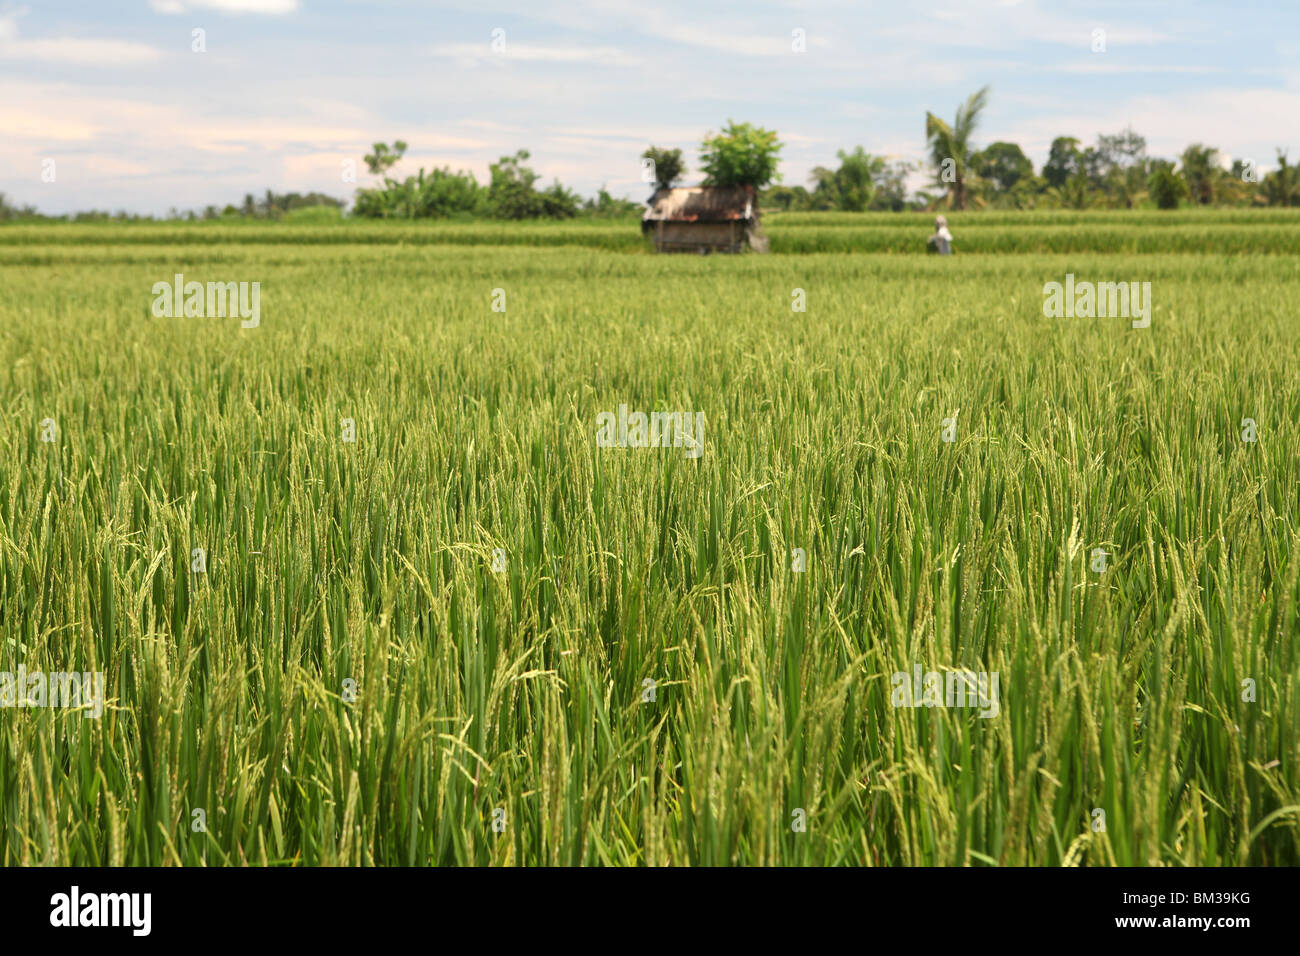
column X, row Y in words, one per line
column 941, row 241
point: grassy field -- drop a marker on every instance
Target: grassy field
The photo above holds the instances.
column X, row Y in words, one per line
column 1274, row 231
column 355, row 680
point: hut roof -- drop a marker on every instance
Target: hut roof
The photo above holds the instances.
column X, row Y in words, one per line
column 701, row 204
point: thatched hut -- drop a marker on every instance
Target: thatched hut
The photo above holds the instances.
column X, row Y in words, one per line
column 704, row 219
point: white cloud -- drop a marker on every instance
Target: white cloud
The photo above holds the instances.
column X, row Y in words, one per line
column 536, row 54
column 88, row 51
column 1081, row 35
column 82, row 50
column 272, row 7
column 1100, row 66
column 9, row 24
column 723, row 36
column 633, row 134
column 1000, row 25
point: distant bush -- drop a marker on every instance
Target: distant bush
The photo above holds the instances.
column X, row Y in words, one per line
column 314, row 214
column 10, row 213
column 1166, row 187
column 443, row 194
column 438, row 194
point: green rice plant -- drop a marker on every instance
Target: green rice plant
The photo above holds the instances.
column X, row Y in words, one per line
column 450, row 622
column 1226, row 232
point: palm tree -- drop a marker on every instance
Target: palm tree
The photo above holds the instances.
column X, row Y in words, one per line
column 1128, row 185
column 1230, row 189
column 1282, row 186
column 1200, row 165
column 954, row 143
column 1072, row 194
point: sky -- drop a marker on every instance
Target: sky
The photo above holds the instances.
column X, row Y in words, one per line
column 110, row 100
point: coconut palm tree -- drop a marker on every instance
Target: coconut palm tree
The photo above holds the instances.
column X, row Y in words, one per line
column 1200, row 168
column 1282, row 186
column 953, row 143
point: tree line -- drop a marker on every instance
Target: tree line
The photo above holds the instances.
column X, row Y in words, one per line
column 511, row 193
column 1114, row 172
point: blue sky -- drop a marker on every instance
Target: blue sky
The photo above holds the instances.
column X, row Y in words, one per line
column 288, row 89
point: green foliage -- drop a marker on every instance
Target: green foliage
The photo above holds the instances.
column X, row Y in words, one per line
column 384, row 158
column 786, row 198
column 862, row 182
column 523, row 690
column 1127, row 186
column 11, row 213
column 438, row 194
column 1167, row 188
column 512, row 193
column 1058, row 231
column 668, row 163
column 1064, row 160
column 1115, row 172
column 274, row 205
column 605, row 206
column 891, row 185
column 952, row 148
column 1122, row 150
column 558, row 202
column 1199, row 165
column 1074, row 194
column 741, row 155
column 1002, row 165
column 1025, row 194
column 851, row 187
column 318, row 215
column 1282, row 186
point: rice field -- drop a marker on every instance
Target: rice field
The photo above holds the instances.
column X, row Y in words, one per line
column 472, row 635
